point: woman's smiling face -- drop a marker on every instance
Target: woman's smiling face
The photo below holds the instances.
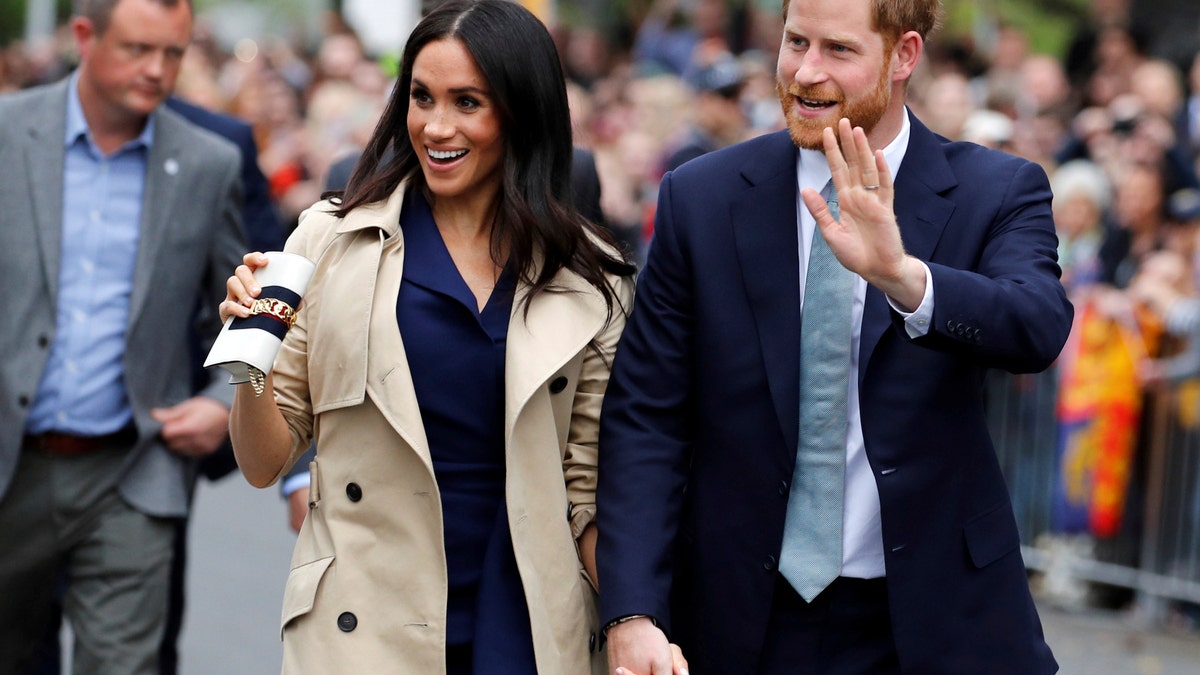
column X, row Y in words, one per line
column 454, row 124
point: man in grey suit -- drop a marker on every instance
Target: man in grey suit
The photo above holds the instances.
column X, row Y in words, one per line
column 117, row 216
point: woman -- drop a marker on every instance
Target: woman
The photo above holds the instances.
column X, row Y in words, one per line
column 450, row 359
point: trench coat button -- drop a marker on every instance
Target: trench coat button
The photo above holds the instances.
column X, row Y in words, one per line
column 558, row 384
column 769, row 563
column 43, row 341
column 783, row 488
column 347, row 621
column 353, row 491
column 23, row 401
column 592, row 644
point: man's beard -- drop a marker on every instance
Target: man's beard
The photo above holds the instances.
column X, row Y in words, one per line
column 864, row 112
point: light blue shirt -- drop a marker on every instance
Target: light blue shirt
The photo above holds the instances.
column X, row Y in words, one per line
column 82, row 390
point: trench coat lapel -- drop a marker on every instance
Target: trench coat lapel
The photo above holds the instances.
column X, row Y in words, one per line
column 560, row 323
column 376, row 272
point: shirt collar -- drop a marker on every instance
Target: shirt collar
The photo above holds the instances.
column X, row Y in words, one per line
column 77, row 124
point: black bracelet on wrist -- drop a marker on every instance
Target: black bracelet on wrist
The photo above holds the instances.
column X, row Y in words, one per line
column 629, row 617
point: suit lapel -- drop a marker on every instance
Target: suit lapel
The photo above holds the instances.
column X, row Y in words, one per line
column 44, row 170
column 765, row 234
column 922, row 214
column 165, row 174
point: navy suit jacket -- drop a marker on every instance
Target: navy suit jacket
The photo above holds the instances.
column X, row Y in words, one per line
column 701, row 418
column 259, row 217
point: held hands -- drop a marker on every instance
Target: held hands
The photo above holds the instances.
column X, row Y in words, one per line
column 638, row 647
column 241, row 289
column 866, row 239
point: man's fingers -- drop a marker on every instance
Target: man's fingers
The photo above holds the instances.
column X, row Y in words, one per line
column 866, row 160
column 833, row 156
column 849, row 150
column 165, row 415
column 679, row 665
column 816, row 204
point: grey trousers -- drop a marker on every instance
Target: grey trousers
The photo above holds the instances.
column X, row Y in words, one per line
column 64, row 514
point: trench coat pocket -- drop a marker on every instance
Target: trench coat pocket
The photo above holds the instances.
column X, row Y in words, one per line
column 301, row 590
column 992, row 535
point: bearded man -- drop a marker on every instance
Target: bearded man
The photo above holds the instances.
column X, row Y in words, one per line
column 795, row 471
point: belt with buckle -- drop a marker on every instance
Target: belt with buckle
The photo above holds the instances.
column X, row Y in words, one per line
column 57, row 443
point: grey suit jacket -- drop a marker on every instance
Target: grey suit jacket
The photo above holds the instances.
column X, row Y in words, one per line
column 189, row 242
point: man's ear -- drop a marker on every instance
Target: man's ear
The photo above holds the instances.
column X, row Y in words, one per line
column 906, row 54
column 85, row 33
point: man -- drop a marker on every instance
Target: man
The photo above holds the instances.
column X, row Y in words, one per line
column 105, row 248
column 876, row 536
column 263, row 233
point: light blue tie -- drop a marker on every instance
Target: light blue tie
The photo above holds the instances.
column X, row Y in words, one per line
column 812, row 536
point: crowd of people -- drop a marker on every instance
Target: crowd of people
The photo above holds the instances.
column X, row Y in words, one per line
column 1111, row 128
column 699, row 76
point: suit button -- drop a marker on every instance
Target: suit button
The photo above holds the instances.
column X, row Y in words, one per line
column 783, row 488
column 950, row 326
column 769, row 563
column 347, row 622
column 558, row 385
column 43, row 341
column 353, row 491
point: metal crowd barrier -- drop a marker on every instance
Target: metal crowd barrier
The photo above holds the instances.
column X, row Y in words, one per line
column 1157, row 552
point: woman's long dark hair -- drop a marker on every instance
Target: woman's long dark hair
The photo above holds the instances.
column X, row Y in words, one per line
column 517, row 57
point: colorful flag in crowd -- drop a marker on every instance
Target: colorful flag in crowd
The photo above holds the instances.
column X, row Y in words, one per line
column 1099, row 412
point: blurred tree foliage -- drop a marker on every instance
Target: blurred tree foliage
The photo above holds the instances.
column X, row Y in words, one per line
column 12, row 18
column 1049, row 24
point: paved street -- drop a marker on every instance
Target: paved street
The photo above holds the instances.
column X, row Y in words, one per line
column 241, row 549
column 1102, row 642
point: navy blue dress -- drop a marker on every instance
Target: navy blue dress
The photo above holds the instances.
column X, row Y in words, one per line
column 456, row 356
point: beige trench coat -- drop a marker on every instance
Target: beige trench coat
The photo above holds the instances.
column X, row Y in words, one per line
column 367, row 589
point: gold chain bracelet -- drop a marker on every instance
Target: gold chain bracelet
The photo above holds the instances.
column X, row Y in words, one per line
column 276, row 309
column 257, row 380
